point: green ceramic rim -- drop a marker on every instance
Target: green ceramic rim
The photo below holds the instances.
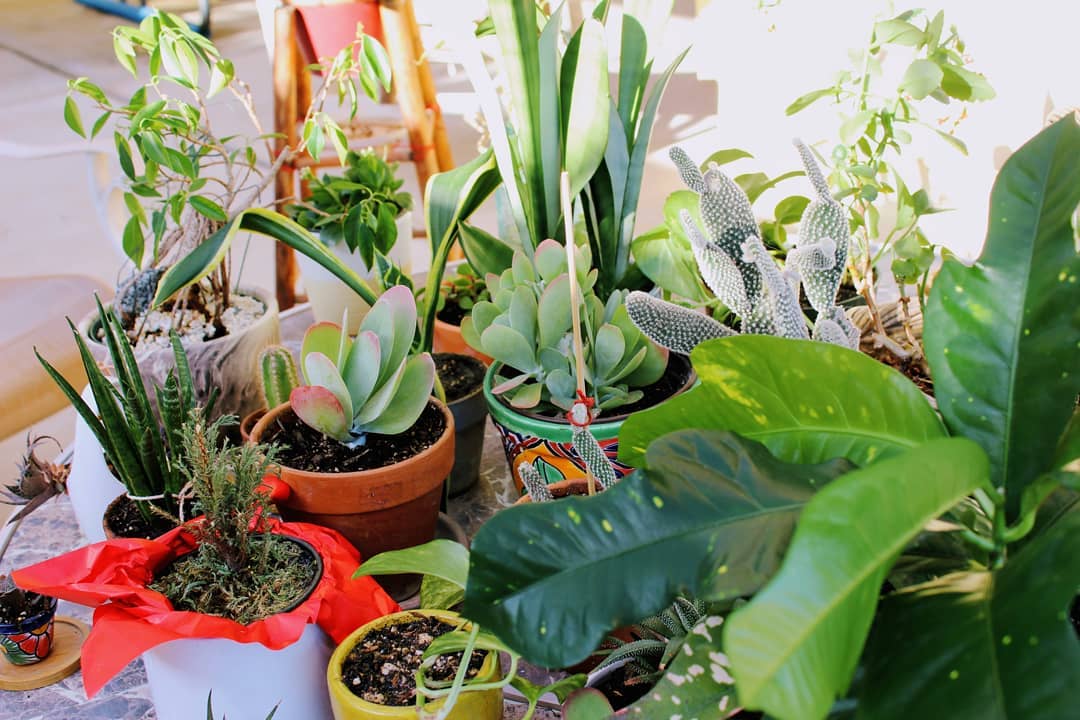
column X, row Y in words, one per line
column 561, row 432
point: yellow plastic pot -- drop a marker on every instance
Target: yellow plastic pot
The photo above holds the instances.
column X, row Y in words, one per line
column 482, row 705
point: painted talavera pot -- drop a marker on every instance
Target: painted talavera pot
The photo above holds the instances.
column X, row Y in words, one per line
column 227, row 363
column 329, row 297
column 547, row 443
column 477, row 705
column 31, row 640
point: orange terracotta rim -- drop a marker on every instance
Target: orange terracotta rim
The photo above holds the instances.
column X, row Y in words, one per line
column 366, row 490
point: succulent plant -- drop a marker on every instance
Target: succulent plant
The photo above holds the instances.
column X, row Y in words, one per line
column 657, row 639
column 367, row 385
column 527, row 327
column 279, row 376
column 737, row 267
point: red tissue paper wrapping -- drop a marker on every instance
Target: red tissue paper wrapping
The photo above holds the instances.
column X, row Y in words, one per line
column 130, row 619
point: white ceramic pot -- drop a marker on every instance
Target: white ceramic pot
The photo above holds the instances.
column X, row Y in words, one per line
column 247, row 679
column 90, row 486
column 329, row 297
column 228, row 363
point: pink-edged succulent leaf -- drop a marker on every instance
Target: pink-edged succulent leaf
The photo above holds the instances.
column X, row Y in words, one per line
column 508, row 385
column 550, row 259
column 379, row 399
column 362, row 367
column 409, row 401
column 319, row 408
column 526, row 396
column 321, row 371
column 326, row 338
column 393, row 319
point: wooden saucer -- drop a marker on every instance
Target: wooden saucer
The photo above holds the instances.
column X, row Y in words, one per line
column 68, row 637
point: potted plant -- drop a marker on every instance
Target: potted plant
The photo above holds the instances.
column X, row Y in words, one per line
column 367, row 447
column 189, row 190
column 526, row 328
column 133, row 486
column 277, row 369
column 232, row 589
column 458, row 294
column 876, row 539
column 360, row 215
column 461, row 381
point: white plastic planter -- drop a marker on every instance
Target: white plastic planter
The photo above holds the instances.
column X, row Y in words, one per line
column 91, row 487
column 329, row 296
column 247, row 679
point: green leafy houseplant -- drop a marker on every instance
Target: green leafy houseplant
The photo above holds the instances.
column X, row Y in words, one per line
column 368, row 385
column 564, row 114
column 357, row 208
column 735, row 264
column 462, row 290
column 527, row 327
column 971, row 521
column 145, row 456
column 878, row 121
column 190, row 189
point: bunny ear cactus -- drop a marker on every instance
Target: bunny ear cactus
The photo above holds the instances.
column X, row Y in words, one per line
column 527, row 326
column 370, row 385
column 735, row 264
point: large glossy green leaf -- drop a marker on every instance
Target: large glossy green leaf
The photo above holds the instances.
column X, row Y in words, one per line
column 985, row 644
column 710, row 518
column 1001, row 336
column 794, row 648
column 806, row 401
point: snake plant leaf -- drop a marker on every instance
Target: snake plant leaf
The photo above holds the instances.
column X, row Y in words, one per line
column 982, row 644
column 485, row 252
column 1001, row 334
column 551, row 130
column 320, row 370
column 683, row 524
column 795, row 646
column 412, row 396
column 319, row 408
column 697, row 683
column 806, row 401
column 364, row 355
column 585, row 105
column 393, row 320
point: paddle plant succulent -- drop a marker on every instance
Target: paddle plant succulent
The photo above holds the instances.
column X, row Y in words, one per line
column 527, row 327
column 737, row 267
column 368, row 385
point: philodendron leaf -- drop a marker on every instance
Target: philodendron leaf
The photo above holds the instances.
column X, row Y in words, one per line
column 1001, row 335
column 445, row 559
column 698, row 682
column 794, row 648
column 319, row 408
column 982, row 644
column 806, row 401
column 685, row 525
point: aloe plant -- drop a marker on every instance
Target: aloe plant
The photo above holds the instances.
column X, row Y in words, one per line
column 527, row 327
column 368, row 385
column 735, row 264
column 146, row 457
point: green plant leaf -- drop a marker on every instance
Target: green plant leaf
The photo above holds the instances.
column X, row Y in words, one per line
column 806, row 401
column 804, row 101
column 510, row 347
column 485, row 252
column 587, row 704
column 921, row 78
column 445, row 559
column 208, row 208
column 72, row 117
column 1001, row 335
column 982, row 644
column 683, row 524
column 795, row 646
column 898, row 31
column 409, row 400
column 585, row 130
column 133, row 241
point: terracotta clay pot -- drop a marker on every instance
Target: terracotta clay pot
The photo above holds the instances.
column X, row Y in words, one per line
column 388, row 508
column 248, row 423
column 447, row 338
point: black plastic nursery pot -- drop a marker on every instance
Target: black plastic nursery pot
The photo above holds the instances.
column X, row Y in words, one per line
column 469, row 409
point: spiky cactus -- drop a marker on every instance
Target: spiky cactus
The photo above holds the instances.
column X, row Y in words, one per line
column 739, row 270
column 279, row 375
column 370, row 385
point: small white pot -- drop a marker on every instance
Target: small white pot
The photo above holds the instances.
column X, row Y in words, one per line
column 90, row 486
column 329, row 296
column 247, row 679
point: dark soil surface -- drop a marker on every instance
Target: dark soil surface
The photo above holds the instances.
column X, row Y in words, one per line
column 17, row 606
column 307, row 449
column 913, row 368
column 618, row 693
column 382, row 667
column 124, row 520
column 674, row 378
column 451, row 314
column 460, row 375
